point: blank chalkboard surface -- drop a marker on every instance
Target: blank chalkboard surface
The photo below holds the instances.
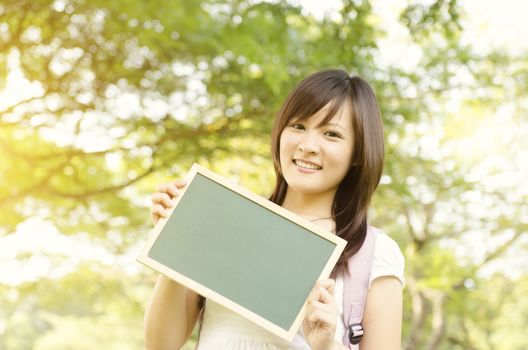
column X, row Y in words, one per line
column 242, row 251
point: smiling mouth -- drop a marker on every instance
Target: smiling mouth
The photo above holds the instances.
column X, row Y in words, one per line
column 307, row 165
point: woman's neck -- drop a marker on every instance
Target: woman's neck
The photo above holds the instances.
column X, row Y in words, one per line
column 311, row 206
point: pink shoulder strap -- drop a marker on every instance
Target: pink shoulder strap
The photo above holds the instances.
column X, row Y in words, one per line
column 355, row 287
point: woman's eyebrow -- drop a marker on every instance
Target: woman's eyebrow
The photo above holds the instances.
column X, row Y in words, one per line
column 333, row 124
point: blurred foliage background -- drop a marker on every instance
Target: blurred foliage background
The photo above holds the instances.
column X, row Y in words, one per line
column 101, row 101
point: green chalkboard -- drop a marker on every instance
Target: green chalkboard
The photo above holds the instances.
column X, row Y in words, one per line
column 243, row 251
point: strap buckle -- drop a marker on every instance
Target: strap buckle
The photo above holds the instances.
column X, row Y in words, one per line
column 355, row 333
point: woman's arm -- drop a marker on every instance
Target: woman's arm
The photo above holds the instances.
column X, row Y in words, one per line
column 173, row 309
column 170, row 316
column 382, row 319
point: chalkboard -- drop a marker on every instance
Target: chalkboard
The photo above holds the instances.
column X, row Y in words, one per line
column 242, row 251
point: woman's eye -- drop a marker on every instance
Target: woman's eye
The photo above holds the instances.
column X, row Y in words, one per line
column 333, row 134
column 298, row 126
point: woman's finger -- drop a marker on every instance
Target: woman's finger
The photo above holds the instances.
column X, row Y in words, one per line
column 323, row 291
column 325, row 296
column 162, row 198
column 329, row 284
column 317, row 305
column 161, row 188
column 322, row 317
column 159, row 210
column 180, row 183
column 173, row 190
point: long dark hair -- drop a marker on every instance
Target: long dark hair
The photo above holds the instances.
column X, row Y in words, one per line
column 352, row 199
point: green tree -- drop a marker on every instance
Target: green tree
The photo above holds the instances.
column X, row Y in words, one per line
column 114, row 98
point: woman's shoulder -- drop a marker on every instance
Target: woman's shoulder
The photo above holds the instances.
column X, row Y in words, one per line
column 388, row 258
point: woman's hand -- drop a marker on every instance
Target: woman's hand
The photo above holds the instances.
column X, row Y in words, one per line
column 162, row 200
column 319, row 325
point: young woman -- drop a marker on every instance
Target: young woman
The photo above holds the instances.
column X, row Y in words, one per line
column 327, row 145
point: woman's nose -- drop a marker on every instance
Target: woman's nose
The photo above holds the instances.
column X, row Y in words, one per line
column 309, row 143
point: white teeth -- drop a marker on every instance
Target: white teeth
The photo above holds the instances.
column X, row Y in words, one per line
column 306, row 165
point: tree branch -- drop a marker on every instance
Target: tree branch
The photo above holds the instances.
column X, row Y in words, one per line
column 437, row 299
column 503, row 248
column 417, row 317
column 418, row 242
column 11, row 108
column 523, row 229
column 85, row 195
column 28, row 190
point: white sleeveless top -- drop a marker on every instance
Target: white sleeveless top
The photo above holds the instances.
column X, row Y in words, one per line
column 223, row 329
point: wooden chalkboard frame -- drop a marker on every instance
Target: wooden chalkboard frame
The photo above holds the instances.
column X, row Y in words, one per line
column 287, row 334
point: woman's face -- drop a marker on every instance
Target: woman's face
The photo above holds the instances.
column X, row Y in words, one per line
column 315, row 158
